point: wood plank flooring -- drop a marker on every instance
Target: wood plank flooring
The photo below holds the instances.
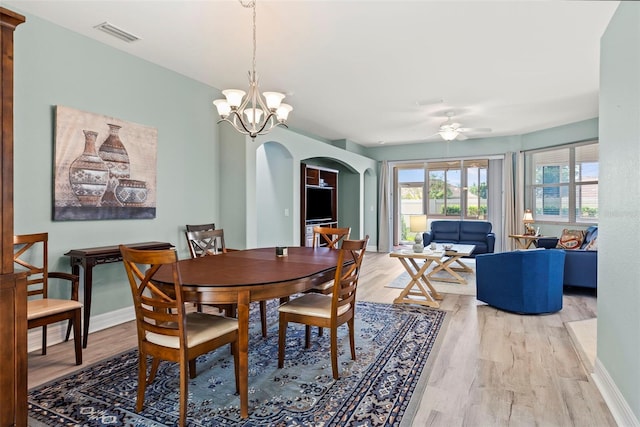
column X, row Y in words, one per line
column 493, row 369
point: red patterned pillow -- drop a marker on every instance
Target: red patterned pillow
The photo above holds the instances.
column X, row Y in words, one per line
column 571, row 239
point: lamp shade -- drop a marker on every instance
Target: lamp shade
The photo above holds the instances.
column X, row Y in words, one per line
column 417, row 223
column 528, row 217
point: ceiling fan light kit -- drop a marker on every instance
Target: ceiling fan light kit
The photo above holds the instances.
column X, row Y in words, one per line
column 253, row 106
column 449, row 130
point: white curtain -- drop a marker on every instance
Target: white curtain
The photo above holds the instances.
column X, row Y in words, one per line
column 513, row 197
column 496, row 200
column 384, row 241
column 510, row 220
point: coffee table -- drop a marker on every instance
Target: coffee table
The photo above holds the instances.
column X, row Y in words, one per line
column 447, row 265
column 419, row 285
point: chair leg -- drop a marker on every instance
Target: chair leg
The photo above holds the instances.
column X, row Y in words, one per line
column 68, row 334
column 263, row 317
column 155, row 362
column 282, row 338
column 77, row 336
column 352, row 342
column 44, row 340
column 334, row 353
column 184, row 396
column 320, row 331
column 142, row 381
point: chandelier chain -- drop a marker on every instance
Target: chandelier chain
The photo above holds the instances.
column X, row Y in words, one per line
column 252, row 4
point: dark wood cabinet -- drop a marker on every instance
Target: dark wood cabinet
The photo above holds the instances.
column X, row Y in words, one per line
column 13, row 297
column 318, row 200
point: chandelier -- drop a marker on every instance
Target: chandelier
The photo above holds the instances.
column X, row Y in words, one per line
column 251, row 114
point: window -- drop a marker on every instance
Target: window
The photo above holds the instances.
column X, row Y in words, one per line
column 562, row 183
column 458, row 189
column 443, row 190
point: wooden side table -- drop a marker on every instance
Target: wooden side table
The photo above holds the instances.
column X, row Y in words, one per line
column 524, row 241
column 88, row 258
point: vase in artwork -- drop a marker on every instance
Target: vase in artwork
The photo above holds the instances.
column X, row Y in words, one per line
column 131, row 192
column 115, row 155
column 88, row 173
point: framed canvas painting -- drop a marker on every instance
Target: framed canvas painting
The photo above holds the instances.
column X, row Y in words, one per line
column 105, row 168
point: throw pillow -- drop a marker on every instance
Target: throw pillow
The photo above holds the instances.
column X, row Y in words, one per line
column 592, row 245
column 571, row 239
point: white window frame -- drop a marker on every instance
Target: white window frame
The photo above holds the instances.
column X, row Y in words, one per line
column 571, row 186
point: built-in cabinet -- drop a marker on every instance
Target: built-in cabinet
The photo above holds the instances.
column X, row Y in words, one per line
column 318, row 200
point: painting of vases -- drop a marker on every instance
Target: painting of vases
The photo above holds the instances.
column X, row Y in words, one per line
column 105, row 168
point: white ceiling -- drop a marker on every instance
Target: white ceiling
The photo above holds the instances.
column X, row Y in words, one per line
column 374, row 71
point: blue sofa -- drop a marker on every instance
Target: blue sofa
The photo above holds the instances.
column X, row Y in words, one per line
column 527, row 282
column 580, row 265
column 476, row 233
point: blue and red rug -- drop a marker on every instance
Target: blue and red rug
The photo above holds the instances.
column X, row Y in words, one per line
column 395, row 346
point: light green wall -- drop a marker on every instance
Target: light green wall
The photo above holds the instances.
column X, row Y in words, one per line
column 54, row 66
column 573, row 132
column 619, row 232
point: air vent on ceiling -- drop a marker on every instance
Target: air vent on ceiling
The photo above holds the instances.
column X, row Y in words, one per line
column 117, row 32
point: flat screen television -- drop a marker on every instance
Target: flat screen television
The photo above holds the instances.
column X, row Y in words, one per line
column 319, row 203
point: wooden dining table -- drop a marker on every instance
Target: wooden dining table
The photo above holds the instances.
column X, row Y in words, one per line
column 244, row 276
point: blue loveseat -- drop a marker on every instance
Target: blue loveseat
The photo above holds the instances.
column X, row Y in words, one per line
column 580, row 265
column 476, row 233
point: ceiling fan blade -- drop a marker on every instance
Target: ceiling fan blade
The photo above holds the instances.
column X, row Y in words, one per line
column 474, row 129
column 461, row 137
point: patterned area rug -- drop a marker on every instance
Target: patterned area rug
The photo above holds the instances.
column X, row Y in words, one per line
column 395, row 346
column 444, row 287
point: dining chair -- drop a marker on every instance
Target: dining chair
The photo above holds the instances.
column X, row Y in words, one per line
column 330, row 237
column 328, row 311
column 166, row 331
column 198, row 227
column 211, row 242
column 31, row 251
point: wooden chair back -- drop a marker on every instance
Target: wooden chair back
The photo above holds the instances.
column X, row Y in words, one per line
column 157, row 311
column 201, row 227
column 206, row 242
column 330, row 236
column 345, row 282
column 31, row 252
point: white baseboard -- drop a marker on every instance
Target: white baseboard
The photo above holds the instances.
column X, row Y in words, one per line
column 617, row 404
column 56, row 333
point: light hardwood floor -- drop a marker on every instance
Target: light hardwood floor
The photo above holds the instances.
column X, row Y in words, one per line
column 493, row 368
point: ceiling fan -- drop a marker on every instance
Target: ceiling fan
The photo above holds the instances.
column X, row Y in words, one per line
column 450, row 130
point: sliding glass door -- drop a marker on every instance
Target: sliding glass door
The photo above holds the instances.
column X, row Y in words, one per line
column 455, row 189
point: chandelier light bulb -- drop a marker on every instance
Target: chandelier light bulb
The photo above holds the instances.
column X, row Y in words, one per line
column 223, row 107
column 234, row 97
column 282, row 113
column 253, row 115
column 273, row 100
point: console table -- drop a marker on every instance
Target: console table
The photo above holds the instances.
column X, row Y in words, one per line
column 89, row 258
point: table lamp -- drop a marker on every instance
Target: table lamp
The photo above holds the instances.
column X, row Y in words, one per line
column 418, row 224
column 528, row 220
